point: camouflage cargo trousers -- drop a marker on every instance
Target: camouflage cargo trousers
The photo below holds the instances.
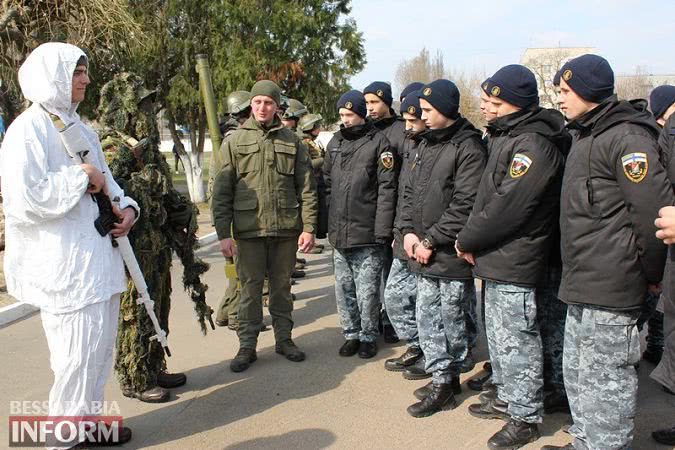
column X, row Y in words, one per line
column 601, row 350
column 357, row 277
column 400, row 296
column 515, row 349
column 441, row 321
column 551, row 313
column 469, row 301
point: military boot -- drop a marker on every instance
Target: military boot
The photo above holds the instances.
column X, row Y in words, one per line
column 243, row 360
column 317, row 249
column 367, row 350
column 153, row 395
column 171, row 380
column 95, row 438
column 416, row 371
column 350, row 347
column 492, row 409
column 488, row 395
column 291, row 351
column 390, row 336
column 410, row 357
column 301, row 260
column 425, row 390
column 513, row 435
column 440, row 398
column 665, row 436
column 298, row 274
column 468, row 364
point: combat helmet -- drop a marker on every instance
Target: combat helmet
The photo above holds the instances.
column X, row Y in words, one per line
column 237, row 102
column 308, row 122
column 295, row 110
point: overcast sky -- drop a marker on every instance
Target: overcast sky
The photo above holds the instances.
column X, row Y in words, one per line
column 485, row 35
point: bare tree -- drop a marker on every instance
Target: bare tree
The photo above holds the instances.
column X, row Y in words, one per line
column 426, row 68
column 423, row 68
column 545, row 63
column 637, row 85
column 469, row 95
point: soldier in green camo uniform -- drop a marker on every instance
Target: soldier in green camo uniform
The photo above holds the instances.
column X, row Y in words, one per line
column 238, row 109
column 308, row 129
column 292, row 113
column 168, row 223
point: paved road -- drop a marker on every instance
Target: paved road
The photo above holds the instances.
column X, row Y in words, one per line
column 326, row 401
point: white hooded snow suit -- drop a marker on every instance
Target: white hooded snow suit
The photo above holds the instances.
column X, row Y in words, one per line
column 54, row 258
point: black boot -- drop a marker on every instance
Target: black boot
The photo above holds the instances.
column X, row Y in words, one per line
column 477, row 383
column 425, row 390
column 350, row 347
column 665, row 436
column 492, row 409
column 171, row 380
column 154, row 394
column 410, row 357
column 468, row 364
column 440, row 398
column 367, row 350
column 390, row 336
column 556, row 402
column 514, row 435
column 416, row 371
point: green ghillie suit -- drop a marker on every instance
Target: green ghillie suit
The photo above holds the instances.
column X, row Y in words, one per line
column 168, row 222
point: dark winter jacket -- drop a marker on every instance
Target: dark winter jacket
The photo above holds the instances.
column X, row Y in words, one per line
column 361, row 178
column 440, row 193
column 513, row 220
column 613, row 188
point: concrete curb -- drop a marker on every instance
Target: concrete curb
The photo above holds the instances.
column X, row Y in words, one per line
column 19, row 310
column 15, row 312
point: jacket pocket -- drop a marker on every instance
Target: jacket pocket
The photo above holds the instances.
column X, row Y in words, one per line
column 248, row 157
column 245, row 211
column 284, row 156
column 288, row 216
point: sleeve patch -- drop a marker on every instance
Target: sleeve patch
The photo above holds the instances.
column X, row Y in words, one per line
column 387, row 159
column 520, row 165
column 635, row 166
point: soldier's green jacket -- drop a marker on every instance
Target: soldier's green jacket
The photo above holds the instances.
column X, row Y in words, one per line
column 265, row 186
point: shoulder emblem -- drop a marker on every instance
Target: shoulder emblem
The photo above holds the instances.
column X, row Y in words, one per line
column 387, row 159
column 520, row 165
column 635, row 166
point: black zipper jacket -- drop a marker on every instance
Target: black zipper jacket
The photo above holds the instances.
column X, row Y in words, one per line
column 513, row 220
column 361, row 178
column 613, row 188
column 440, row 193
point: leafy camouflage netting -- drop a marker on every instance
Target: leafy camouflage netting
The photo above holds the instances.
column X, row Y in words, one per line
column 168, row 223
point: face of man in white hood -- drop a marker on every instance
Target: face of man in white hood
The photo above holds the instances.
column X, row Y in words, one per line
column 48, row 77
column 80, row 82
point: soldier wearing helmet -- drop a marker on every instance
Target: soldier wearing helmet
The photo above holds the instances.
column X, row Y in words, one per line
column 293, row 113
column 309, row 127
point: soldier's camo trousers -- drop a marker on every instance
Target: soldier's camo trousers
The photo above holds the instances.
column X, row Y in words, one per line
column 551, row 313
column 441, row 321
column 400, row 296
column 469, row 302
column 515, row 349
column 357, row 279
column 601, row 350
